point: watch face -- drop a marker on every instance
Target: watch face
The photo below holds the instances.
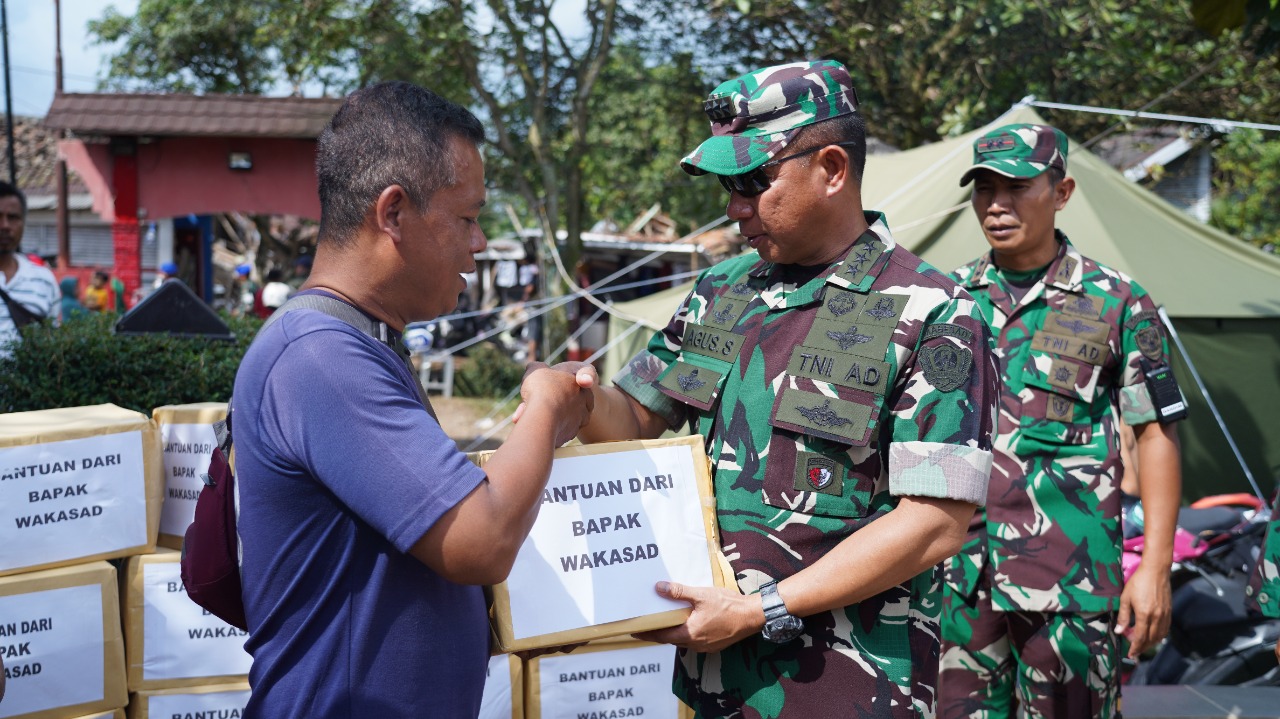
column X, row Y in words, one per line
column 783, row 629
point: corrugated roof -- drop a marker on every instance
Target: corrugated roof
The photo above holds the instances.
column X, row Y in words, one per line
column 191, row 115
column 35, row 150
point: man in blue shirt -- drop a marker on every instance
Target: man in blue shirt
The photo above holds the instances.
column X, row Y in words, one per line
column 366, row 533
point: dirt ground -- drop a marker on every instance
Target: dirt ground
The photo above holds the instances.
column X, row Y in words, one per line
column 466, row 419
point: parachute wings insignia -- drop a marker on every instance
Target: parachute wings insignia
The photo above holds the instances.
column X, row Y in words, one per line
column 848, row 339
column 690, row 382
column 1075, row 326
column 823, row 416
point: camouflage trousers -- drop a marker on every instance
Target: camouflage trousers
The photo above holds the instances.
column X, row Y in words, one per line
column 1055, row 665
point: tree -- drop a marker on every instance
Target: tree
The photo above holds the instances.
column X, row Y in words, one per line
column 1246, row 184
column 925, row 68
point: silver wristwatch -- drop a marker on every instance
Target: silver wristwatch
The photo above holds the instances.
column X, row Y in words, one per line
column 780, row 626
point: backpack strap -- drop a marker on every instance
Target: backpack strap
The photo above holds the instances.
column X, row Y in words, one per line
column 348, row 313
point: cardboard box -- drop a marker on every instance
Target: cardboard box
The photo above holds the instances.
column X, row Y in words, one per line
column 186, row 435
column 77, row 484
column 114, row 714
column 503, row 689
column 170, row 641
column 60, row 634
column 209, row 700
column 631, row 679
column 615, row 519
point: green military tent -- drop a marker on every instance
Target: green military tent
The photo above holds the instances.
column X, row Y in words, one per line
column 1222, row 294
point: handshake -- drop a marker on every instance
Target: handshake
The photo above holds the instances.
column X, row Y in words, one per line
column 565, row 393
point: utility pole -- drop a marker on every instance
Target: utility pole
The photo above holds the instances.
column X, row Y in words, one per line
column 8, row 96
column 60, row 170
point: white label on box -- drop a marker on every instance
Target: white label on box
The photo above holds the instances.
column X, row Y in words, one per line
column 187, row 449
column 621, row 683
column 610, row 527
column 213, row 704
column 180, row 639
column 70, row 499
column 52, row 647
column 496, row 703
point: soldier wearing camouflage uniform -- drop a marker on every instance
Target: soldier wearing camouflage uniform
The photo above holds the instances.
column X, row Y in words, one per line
column 846, row 392
column 1036, row 602
column 1262, row 594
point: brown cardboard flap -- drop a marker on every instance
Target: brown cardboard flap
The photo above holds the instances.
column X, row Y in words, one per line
column 179, row 492
column 180, row 614
column 110, row 643
column 501, row 617
column 26, row 429
column 653, row 699
column 140, row 703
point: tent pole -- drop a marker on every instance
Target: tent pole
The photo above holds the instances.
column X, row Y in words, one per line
column 1213, row 407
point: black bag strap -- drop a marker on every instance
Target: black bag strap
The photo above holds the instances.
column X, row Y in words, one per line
column 18, row 312
column 347, row 313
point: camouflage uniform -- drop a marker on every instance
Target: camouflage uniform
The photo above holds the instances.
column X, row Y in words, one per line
column 1036, row 589
column 821, row 404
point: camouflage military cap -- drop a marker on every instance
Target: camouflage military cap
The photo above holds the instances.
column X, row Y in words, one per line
column 756, row 115
column 1020, row 150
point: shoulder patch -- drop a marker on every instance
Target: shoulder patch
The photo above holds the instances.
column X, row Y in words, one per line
column 946, row 329
column 1150, row 343
column 1083, row 306
column 946, row 367
column 1140, row 317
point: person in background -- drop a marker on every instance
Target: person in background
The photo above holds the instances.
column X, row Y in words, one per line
column 301, row 270
column 28, row 292
column 117, row 289
column 1036, row 605
column 97, row 296
column 275, row 292
column 168, row 271
column 71, row 307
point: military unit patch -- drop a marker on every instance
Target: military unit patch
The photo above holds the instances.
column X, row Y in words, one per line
column 1062, row 374
column 1085, row 306
column 1150, row 343
column 841, row 304
column 816, row 473
column 1060, row 409
column 741, row 289
column 726, row 313
column 946, row 367
column 691, row 384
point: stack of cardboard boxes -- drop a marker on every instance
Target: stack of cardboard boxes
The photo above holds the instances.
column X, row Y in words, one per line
column 94, row 621
column 92, row 618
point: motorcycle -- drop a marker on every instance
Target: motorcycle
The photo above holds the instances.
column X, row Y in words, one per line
column 1212, row 638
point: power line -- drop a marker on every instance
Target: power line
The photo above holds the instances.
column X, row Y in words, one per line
column 1139, row 114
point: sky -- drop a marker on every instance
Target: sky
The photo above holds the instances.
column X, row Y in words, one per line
column 31, row 48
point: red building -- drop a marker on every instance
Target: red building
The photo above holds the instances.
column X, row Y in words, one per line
column 148, row 157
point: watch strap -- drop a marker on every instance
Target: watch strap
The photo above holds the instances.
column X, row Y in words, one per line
column 772, row 602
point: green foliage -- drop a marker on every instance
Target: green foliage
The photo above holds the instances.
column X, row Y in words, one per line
column 926, row 68
column 486, row 372
column 84, row 363
column 1261, row 18
column 644, row 118
column 1246, row 185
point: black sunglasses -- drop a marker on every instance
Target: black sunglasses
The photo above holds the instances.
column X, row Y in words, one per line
column 750, row 184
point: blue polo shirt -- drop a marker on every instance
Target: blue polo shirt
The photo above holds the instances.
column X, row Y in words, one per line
column 341, row 470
